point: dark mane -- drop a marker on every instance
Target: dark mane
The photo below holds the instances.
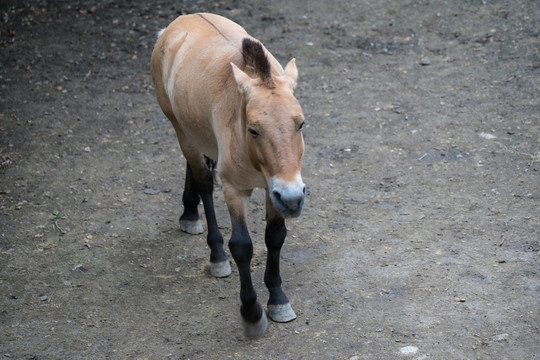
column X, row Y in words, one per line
column 255, row 58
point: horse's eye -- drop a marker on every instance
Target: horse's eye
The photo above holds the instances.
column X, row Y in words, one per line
column 301, row 125
column 253, row 132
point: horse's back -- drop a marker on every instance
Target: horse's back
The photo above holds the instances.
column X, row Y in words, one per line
column 196, row 44
column 192, row 74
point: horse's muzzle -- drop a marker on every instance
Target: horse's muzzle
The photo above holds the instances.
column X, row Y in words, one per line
column 288, row 197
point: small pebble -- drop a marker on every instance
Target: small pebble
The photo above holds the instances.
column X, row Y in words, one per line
column 425, row 61
column 43, row 298
column 150, row 191
column 501, row 337
column 487, row 136
column 408, row 350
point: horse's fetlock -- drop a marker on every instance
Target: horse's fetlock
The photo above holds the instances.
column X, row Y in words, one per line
column 252, row 312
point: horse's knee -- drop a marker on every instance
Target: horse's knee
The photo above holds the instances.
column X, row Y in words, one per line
column 241, row 249
column 275, row 234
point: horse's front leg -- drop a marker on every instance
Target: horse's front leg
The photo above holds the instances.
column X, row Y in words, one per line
column 253, row 316
column 279, row 307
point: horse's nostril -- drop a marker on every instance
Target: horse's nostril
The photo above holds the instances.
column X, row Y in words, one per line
column 289, row 201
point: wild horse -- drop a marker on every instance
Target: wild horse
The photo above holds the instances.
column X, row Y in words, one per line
column 232, row 106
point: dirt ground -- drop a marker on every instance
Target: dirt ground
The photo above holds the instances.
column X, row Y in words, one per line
column 420, row 237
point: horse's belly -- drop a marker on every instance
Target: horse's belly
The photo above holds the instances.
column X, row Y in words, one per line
column 198, row 135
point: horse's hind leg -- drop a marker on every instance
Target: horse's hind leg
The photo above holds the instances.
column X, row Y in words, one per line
column 190, row 221
column 200, row 184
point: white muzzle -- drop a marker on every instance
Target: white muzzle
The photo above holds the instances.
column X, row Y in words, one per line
column 287, row 197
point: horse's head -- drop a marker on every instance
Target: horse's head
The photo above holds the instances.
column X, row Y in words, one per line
column 273, row 121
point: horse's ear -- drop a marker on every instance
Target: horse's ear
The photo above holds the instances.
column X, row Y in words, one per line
column 243, row 81
column 291, row 72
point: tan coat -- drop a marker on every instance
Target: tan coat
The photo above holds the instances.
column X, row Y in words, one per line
column 215, row 110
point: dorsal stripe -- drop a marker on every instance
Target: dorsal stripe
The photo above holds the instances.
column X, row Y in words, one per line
column 214, row 26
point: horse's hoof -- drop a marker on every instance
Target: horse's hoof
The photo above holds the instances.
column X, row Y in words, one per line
column 281, row 313
column 257, row 329
column 191, row 226
column 220, row 269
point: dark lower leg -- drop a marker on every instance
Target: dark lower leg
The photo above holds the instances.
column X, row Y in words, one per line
column 214, row 238
column 204, row 186
column 274, row 237
column 242, row 251
column 190, row 198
